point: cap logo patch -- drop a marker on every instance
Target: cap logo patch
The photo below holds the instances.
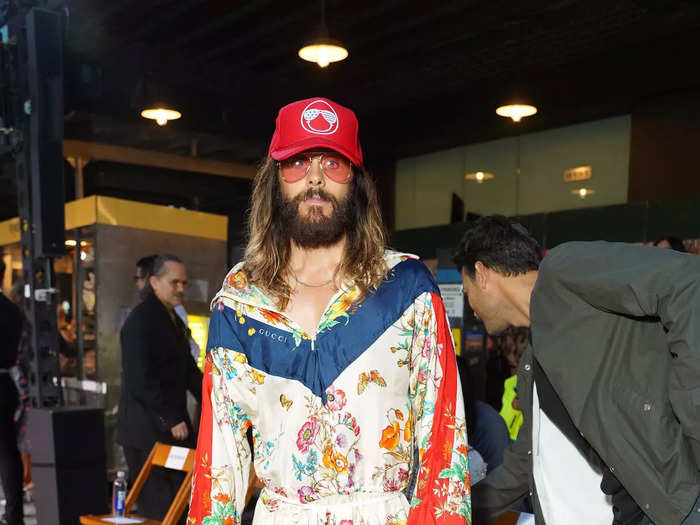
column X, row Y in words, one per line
column 319, row 118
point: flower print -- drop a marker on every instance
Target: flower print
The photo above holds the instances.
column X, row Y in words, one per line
column 335, row 460
column 346, row 522
column 336, row 398
column 298, row 467
column 258, row 377
column 238, row 280
column 423, row 376
column 349, row 421
column 307, row 434
column 340, row 463
column 220, row 306
column 390, row 436
column 239, row 357
column 446, row 450
column 343, row 304
column 462, row 449
column 403, row 474
column 280, row 491
column 270, row 316
column 305, row 469
column 391, row 485
column 407, row 431
column 328, row 456
column 228, row 521
column 206, row 500
column 271, row 504
column 223, row 498
column 358, row 455
column 340, row 441
column 307, row 494
column 351, row 472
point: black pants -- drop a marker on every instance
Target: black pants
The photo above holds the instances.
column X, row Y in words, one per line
column 10, row 459
column 160, row 489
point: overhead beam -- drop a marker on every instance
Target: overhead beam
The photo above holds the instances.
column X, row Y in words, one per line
column 154, row 159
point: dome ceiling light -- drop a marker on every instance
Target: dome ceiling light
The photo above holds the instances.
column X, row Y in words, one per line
column 323, row 49
column 161, row 114
column 479, row 176
column 516, row 111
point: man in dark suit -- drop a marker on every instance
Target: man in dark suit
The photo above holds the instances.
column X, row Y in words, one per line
column 157, row 371
column 10, row 460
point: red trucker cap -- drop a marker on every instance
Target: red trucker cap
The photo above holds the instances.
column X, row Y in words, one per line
column 316, row 123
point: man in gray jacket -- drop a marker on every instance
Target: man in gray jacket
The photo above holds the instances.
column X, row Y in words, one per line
column 609, row 384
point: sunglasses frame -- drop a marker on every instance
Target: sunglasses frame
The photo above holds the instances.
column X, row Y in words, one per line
column 316, row 155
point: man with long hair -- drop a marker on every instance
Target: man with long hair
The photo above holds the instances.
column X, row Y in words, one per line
column 335, row 350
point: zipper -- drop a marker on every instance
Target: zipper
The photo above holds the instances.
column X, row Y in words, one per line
column 238, row 299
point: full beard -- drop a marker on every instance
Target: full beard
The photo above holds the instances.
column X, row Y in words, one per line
column 315, row 230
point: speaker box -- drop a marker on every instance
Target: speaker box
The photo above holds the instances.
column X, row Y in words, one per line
column 45, row 169
column 68, row 464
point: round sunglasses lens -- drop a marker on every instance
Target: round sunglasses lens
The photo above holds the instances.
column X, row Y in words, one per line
column 294, row 169
column 336, row 167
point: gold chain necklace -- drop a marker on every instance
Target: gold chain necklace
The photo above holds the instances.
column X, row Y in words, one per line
column 329, row 281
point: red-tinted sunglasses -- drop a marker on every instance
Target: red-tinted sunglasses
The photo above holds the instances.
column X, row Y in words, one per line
column 333, row 165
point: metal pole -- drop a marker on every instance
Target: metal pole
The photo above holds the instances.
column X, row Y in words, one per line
column 80, row 163
column 78, row 303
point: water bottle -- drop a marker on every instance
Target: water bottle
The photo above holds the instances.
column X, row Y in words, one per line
column 119, row 495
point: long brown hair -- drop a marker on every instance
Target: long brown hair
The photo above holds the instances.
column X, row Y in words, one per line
column 267, row 254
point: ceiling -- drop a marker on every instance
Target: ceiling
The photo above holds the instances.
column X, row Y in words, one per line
column 421, row 76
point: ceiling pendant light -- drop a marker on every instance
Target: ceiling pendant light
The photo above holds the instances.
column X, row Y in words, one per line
column 151, row 99
column 479, row 176
column 516, row 111
column 323, row 50
column 161, row 114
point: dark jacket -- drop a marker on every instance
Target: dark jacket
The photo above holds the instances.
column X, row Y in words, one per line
column 157, row 370
column 11, row 322
column 616, row 329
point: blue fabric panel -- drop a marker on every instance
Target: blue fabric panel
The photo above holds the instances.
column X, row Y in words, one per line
column 273, row 350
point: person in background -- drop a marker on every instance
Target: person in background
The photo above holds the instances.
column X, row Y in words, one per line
column 671, row 243
column 512, row 343
column 20, row 375
column 11, row 324
column 488, row 435
column 157, row 371
column 144, row 268
column 608, row 383
column 510, row 407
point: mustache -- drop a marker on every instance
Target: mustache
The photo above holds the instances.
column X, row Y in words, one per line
column 315, row 193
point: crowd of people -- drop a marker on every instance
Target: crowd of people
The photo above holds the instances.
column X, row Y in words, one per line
column 331, row 385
